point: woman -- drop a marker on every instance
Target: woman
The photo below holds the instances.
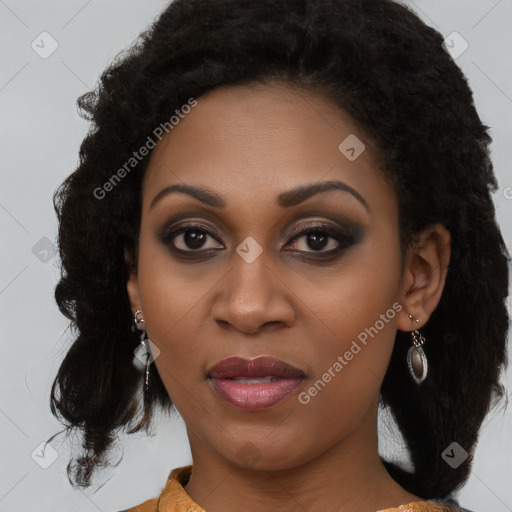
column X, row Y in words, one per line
column 285, row 206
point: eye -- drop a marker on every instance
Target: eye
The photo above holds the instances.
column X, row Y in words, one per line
column 320, row 239
column 190, row 238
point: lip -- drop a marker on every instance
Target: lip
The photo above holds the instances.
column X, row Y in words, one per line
column 252, row 384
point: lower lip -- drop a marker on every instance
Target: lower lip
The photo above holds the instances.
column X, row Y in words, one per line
column 255, row 396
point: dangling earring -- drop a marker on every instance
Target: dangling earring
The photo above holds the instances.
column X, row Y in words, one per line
column 143, row 351
column 416, row 358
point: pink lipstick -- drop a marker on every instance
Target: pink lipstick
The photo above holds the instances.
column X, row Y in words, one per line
column 252, row 384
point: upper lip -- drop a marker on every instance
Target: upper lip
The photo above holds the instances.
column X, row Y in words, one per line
column 234, row 367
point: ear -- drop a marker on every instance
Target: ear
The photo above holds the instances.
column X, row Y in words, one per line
column 424, row 276
column 132, row 285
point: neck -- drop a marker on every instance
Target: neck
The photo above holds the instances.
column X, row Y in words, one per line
column 348, row 477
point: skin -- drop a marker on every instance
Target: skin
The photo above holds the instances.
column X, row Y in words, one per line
column 248, row 144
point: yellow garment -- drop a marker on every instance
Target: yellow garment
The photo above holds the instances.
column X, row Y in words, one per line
column 174, row 498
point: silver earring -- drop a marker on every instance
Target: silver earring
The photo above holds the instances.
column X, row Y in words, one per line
column 143, row 352
column 138, row 320
column 416, row 358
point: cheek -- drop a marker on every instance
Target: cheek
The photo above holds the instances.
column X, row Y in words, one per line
column 354, row 341
column 171, row 311
column 351, row 357
column 350, row 362
column 172, row 293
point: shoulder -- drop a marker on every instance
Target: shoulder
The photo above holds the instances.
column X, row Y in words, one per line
column 172, row 494
column 429, row 506
column 147, row 506
column 451, row 505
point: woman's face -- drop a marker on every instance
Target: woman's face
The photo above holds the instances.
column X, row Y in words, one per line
column 240, row 278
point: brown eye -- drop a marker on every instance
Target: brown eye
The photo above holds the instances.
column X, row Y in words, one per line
column 190, row 238
column 323, row 240
column 314, row 241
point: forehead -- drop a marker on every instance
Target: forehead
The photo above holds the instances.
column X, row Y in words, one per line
column 253, row 141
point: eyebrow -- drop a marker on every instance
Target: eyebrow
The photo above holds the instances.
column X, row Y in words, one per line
column 284, row 199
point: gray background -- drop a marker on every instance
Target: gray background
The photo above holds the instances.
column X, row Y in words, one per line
column 40, row 136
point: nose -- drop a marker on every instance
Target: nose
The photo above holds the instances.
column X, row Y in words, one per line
column 253, row 296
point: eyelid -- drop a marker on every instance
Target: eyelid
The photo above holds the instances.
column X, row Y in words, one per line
column 297, row 230
column 174, row 225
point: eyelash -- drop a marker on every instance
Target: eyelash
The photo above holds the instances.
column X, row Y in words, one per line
column 345, row 239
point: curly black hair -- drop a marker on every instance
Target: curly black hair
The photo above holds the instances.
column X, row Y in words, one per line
column 390, row 71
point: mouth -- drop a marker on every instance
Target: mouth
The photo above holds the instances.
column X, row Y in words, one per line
column 252, row 384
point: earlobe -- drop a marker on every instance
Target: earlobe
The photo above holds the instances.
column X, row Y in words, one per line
column 424, row 276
